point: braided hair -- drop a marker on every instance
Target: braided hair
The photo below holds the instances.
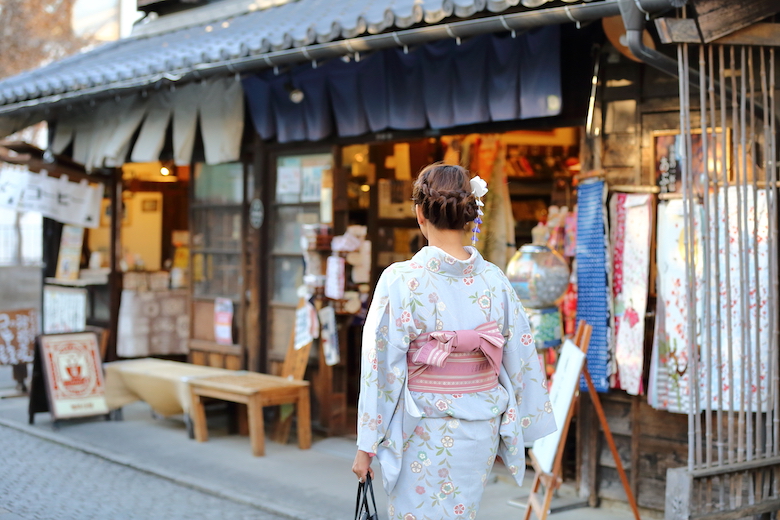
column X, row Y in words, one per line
column 444, row 194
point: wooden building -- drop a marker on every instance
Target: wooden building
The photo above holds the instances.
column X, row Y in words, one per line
column 291, row 128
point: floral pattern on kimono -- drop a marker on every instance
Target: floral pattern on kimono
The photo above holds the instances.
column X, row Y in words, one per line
column 410, row 430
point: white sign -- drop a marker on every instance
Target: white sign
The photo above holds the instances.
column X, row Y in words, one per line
column 67, row 202
column 64, row 309
column 330, row 336
column 565, row 382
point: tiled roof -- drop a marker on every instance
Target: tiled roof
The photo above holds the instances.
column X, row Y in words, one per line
column 232, row 29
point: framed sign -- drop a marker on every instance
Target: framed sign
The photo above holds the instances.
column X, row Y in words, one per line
column 667, row 159
column 64, row 309
column 73, row 374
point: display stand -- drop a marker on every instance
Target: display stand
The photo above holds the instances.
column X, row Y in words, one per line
column 552, row 480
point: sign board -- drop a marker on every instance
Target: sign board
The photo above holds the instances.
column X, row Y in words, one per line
column 74, row 375
column 565, row 383
column 223, row 321
column 64, row 309
column 18, row 329
column 76, row 203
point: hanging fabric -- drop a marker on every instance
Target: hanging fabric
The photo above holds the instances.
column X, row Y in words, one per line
column 593, row 303
column 670, row 375
column 632, row 214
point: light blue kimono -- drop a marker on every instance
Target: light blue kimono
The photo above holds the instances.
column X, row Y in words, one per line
column 436, row 450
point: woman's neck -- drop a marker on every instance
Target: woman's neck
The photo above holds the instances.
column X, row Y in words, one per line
column 448, row 240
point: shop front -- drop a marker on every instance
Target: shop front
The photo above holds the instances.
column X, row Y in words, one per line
column 309, row 200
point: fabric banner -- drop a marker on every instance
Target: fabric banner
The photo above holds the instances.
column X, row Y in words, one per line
column 632, row 215
column 594, row 297
column 76, row 203
column 438, row 85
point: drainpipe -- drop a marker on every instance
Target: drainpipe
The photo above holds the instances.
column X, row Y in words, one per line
column 634, row 21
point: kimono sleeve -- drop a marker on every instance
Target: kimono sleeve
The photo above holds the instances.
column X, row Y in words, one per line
column 383, row 369
column 529, row 383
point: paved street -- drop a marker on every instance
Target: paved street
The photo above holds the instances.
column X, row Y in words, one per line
column 47, row 481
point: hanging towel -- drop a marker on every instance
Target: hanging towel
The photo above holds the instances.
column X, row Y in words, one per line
column 593, row 304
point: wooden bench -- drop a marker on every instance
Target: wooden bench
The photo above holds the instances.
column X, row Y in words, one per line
column 255, row 391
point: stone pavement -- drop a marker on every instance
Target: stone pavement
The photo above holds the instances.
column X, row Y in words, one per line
column 314, row 484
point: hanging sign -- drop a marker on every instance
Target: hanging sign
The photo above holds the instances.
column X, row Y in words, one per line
column 329, row 335
column 67, row 202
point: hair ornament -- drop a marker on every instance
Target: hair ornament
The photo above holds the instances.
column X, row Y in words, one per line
column 478, row 189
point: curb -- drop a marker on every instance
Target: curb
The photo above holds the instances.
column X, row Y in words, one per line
column 191, row 483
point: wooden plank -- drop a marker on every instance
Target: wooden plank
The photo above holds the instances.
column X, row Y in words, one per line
column 198, row 358
column 617, row 176
column 216, row 360
column 211, row 346
column 619, row 416
column 623, row 445
column 233, row 362
column 684, row 30
column 657, row 455
column 718, row 18
column 203, row 320
column 677, row 30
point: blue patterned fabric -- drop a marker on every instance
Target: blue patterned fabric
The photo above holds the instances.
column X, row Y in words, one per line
column 592, row 281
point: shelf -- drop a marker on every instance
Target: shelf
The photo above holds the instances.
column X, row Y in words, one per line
column 224, row 206
column 215, row 251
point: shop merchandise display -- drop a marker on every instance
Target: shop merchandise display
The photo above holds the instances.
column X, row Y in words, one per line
column 593, row 304
column 632, row 218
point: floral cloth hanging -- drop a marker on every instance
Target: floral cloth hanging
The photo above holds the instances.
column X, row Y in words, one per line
column 632, row 216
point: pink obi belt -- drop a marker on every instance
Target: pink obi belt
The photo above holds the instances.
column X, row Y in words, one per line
column 456, row 361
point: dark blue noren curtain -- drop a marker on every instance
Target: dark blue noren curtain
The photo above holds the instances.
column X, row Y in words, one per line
column 540, row 73
column 439, row 85
column 345, row 95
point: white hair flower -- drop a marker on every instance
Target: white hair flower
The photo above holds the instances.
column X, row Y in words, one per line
column 478, row 186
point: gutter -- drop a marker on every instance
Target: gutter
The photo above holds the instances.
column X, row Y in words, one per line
column 514, row 22
column 634, row 21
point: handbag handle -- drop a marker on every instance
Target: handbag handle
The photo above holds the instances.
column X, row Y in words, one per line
column 363, row 489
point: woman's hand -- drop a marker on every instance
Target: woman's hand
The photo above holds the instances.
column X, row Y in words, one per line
column 362, row 466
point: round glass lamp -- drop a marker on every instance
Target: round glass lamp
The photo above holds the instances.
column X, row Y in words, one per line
column 539, row 275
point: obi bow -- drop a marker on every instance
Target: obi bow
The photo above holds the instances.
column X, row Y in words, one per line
column 486, row 338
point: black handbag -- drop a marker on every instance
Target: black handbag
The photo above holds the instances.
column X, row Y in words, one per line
column 362, row 509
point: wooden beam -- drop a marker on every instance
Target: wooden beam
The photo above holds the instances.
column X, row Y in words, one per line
column 683, row 30
column 719, row 18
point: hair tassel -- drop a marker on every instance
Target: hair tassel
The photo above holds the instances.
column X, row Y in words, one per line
column 478, row 189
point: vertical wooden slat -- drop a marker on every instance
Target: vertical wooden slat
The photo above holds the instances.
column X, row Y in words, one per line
column 707, row 318
column 727, row 259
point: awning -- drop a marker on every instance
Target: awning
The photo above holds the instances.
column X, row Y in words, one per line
column 183, row 68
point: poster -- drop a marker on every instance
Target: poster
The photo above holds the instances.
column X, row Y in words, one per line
column 303, row 326
column 18, row 329
column 667, row 146
column 70, row 253
column 223, row 321
column 74, row 375
column 288, row 181
column 329, row 335
column 64, row 309
column 311, row 184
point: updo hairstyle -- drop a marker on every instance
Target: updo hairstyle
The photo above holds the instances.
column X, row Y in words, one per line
column 444, row 193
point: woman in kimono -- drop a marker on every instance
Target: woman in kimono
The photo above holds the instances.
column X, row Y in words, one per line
column 450, row 377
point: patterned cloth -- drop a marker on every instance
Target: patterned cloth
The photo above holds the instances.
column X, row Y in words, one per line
column 437, row 449
column 669, row 372
column 756, row 327
column 594, row 297
column 631, row 261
